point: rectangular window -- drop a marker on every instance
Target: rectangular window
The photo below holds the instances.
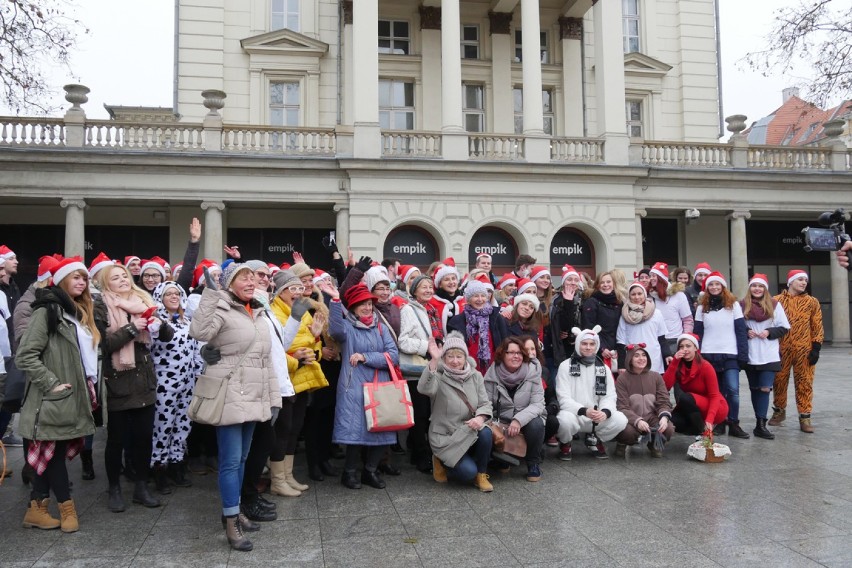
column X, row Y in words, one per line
column 470, row 42
column 635, row 127
column 546, row 106
column 474, row 107
column 519, row 51
column 396, row 105
column 284, row 103
column 394, row 37
column 630, row 25
column 284, row 14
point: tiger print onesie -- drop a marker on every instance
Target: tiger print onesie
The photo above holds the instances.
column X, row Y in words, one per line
column 806, row 329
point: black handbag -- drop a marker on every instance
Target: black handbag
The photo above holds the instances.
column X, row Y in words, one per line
column 16, row 381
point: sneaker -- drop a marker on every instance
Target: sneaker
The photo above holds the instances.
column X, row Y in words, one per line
column 600, row 451
column 552, row 442
column 13, row 441
column 533, row 472
column 778, row 416
column 565, row 452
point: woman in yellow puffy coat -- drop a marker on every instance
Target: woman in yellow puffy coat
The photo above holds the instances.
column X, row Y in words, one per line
column 305, row 374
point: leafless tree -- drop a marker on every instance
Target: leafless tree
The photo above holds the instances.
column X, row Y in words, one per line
column 815, row 35
column 34, row 35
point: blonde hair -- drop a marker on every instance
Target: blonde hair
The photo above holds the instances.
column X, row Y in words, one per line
column 765, row 303
column 102, row 281
column 85, row 307
column 619, row 293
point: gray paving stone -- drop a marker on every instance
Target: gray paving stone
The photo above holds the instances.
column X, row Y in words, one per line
column 208, row 559
column 343, row 528
column 485, row 550
column 443, row 524
column 829, row 551
column 371, row 552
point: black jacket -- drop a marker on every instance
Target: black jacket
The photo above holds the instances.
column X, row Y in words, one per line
column 598, row 311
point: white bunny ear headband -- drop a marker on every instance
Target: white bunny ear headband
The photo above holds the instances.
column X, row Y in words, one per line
column 591, row 332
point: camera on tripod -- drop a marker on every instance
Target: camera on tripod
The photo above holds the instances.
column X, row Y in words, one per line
column 832, row 234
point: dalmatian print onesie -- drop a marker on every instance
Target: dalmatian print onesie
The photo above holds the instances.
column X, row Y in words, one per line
column 176, row 363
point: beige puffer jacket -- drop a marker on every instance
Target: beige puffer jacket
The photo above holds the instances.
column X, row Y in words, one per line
column 223, row 322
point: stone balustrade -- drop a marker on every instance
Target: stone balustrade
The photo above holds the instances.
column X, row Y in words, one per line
column 499, row 147
column 577, row 150
column 408, row 144
column 26, row 131
column 287, row 141
column 143, row 136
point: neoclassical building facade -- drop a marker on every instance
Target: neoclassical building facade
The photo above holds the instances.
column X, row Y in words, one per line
column 577, row 131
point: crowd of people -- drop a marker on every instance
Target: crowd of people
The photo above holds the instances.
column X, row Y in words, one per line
column 210, row 366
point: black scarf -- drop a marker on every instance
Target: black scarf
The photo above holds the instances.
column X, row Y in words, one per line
column 610, row 299
column 57, row 301
column 716, row 303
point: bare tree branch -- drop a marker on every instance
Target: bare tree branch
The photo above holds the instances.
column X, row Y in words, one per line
column 815, row 35
column 34, row 35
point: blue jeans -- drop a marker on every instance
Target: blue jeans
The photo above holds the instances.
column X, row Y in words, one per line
column 758, row 380
column 475, row 460
column 729, row 385
column 234, row 444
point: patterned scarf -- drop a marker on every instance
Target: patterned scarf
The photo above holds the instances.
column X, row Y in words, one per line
column 477, row 326
column 120, row 311
column 434, row 321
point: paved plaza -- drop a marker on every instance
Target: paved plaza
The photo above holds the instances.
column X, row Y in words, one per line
column 786, row 502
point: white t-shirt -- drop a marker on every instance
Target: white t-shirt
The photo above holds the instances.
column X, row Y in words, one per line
column 673, row 310
column 88, row 351
column 720, row 336
column 762, row 351
column 646, row 332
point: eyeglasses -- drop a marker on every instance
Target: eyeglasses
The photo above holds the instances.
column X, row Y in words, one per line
column 152, row 277
column 296, row 288
column 515, row 353
column 262, row 275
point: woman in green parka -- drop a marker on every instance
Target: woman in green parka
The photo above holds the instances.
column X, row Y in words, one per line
column 59, row 354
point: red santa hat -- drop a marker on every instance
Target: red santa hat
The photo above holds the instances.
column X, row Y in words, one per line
column 796, row 274
column 483, row 277
column 537, row 272
column 569, row 270
column 408, row 270
column 99, row 263
column 285, row 266
column 198, row 273
column 273, row 268
column 320, row 274
column 46, row 266
column 509, row 279
column 68, row 266
column 531, row 298
column 702, row 268
column 445, row 269
column 6, row 253
column 715, row 277
column 176, row 269
column 691, row 337
column 483, row 255
column 759, row 279
column 637, row 284
column 524, row 285
column 129, row 259
column 155, row 263
column 661, row 269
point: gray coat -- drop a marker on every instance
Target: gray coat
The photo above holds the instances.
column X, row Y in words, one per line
column 225, row 323
column 449, row 437
column 528, row 402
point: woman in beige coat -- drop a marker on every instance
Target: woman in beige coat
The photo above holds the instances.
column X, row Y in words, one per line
column 461, row 443
column 231, row 321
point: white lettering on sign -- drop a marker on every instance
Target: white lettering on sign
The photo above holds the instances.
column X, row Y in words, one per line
column 792, row 240
column 281, row 248
column 88, row 245
column 416, row 248
column 496, row 249
column 573, row 249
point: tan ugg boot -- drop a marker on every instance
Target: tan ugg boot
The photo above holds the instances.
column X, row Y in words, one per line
column 291, row 481
column 482, row 483
column 805, row 425
column 439, row 472
column 778, row 416
column 68, row 516
column 279, row 484
column 38, row 517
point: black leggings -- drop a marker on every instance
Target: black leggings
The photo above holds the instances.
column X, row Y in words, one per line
column 139, row 424
column 319, row 427
column 55, row 477
column 288, row 426
column 201, row 441
column 418, row 435
column 686, row 416
column 353, row 457
column 262, row 441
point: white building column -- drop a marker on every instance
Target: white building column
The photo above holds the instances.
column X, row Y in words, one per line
column 839, row 302
column 365, row 51
column 739, row 253
column 454, row 138
column 502, row 55
column 536, row 145
column 213, row 232
column 609, row 82
column 348, row 65
column 429, row 104
column 640, row 239
column 75, row 226
column 571, row 35
column 341, row 227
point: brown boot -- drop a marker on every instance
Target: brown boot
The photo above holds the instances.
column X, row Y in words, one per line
column 234, row 533
column 38, row 517
column 279, row 485
column 481, row 482
column 439, row 472
column 805, row 424
column 68, row 515
column 778, row 416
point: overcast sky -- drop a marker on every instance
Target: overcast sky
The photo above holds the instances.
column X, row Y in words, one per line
column 128, row 57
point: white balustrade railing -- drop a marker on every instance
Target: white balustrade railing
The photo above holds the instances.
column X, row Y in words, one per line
column 578, row 150
column 495, row 147
column 789, row 158
column 144, row 136
column 405, row 144
column 686, row 155
column 40, row 132
column 279, row 140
